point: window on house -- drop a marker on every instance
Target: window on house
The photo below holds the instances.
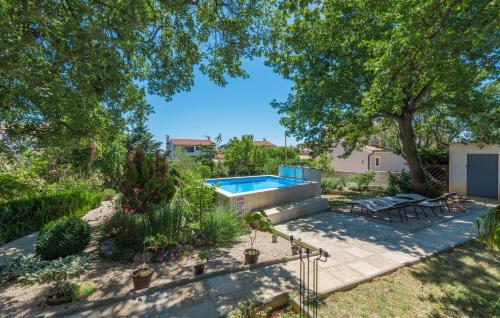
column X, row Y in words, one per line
column 189, row 149
column 377, row 161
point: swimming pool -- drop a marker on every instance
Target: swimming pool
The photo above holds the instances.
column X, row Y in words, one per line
column 248, row 184
column 258, row 192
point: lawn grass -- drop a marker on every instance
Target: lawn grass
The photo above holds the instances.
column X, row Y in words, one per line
column 464, row 282
column 337, row 198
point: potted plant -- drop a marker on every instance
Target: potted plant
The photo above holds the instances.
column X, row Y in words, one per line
column 142, row 276
column 202, row 259
column 259, row 222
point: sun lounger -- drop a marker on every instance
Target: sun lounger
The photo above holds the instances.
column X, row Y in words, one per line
column 424, row 202
column 383, row 204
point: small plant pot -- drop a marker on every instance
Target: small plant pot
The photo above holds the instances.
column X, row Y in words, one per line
column 141, row 281
column 275, row 238
column 199, row 269
column 295, row 249
column 251, row 256
column 57, row 301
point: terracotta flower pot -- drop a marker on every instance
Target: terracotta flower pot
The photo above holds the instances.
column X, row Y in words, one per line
column 251, row 256
column 141, row 281
column 199, row 269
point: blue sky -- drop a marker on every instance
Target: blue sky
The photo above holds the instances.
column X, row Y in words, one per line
column 241, row 107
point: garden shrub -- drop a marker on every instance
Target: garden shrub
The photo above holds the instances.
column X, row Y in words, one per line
column 146, row 181
column 64, row 237
column 25, row 216
column 131, row 229
column 221, row 226
column 399, row 182
column 31, row 269
column 108, row 194
column 363, row 180
column 70, row 290
column 353, row 186
column 332, row 183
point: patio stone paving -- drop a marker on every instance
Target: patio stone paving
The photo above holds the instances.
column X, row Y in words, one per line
column 359, row 249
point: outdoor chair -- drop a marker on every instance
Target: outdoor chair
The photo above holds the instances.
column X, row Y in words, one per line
column 424, row 202
column 384, row 204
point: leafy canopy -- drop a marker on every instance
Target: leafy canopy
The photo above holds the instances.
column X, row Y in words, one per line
column 78, row 69
column 356, row 62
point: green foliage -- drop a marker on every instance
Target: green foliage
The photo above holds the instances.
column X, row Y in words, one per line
column 332, row 183
column 243, row 158
column 146, row 181
column 433, row 155
column 200, row 197
column 357, row 65
column 399, row 182
column 11, row 188
column 259, row 222
column 156, row 243
column 108, row 194
column 363, row 180
column 31, row 269
column 61, row 238
column 22, row 217
column 488, row 229
column 51, row 91
column 353, row 186
column 221, row 226
column 71, row 291
column 323, row 163
column 141, row 137
column 165, row 223
column 202, row 256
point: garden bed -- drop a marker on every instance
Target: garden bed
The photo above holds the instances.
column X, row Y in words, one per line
column 113, row 277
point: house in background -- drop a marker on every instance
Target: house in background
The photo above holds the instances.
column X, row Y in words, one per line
column 190, row 147
column 369, row 158
column 264, row 142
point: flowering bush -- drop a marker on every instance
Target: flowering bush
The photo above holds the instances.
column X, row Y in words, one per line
column 146, row 181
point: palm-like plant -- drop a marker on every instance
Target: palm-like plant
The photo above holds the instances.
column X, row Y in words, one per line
column 259, row 222
column 488, row 228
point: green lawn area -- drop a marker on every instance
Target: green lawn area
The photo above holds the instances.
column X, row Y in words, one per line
column 342, row 197
column 464, row 282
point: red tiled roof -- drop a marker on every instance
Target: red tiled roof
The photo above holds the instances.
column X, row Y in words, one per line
column 191, row 142
column 263, row 143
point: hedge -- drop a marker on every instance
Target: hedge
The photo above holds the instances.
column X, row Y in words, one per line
column 25, row 216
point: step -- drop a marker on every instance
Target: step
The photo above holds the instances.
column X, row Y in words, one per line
column 295, row 210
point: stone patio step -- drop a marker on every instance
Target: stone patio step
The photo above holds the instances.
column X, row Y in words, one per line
column 296, row 210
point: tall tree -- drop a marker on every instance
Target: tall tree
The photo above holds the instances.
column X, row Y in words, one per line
column 71, row 69
column 358, row 62
column 140, row 136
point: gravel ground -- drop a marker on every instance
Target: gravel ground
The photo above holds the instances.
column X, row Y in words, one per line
column 113, row 277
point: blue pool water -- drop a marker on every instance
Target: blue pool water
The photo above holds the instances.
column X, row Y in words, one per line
column 246, row 184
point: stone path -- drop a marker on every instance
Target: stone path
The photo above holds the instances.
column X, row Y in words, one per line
column 359, row 249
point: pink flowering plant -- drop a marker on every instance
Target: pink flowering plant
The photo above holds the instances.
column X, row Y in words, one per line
column 146, row 181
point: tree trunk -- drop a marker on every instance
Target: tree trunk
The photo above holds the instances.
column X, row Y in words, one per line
column 409, row 148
